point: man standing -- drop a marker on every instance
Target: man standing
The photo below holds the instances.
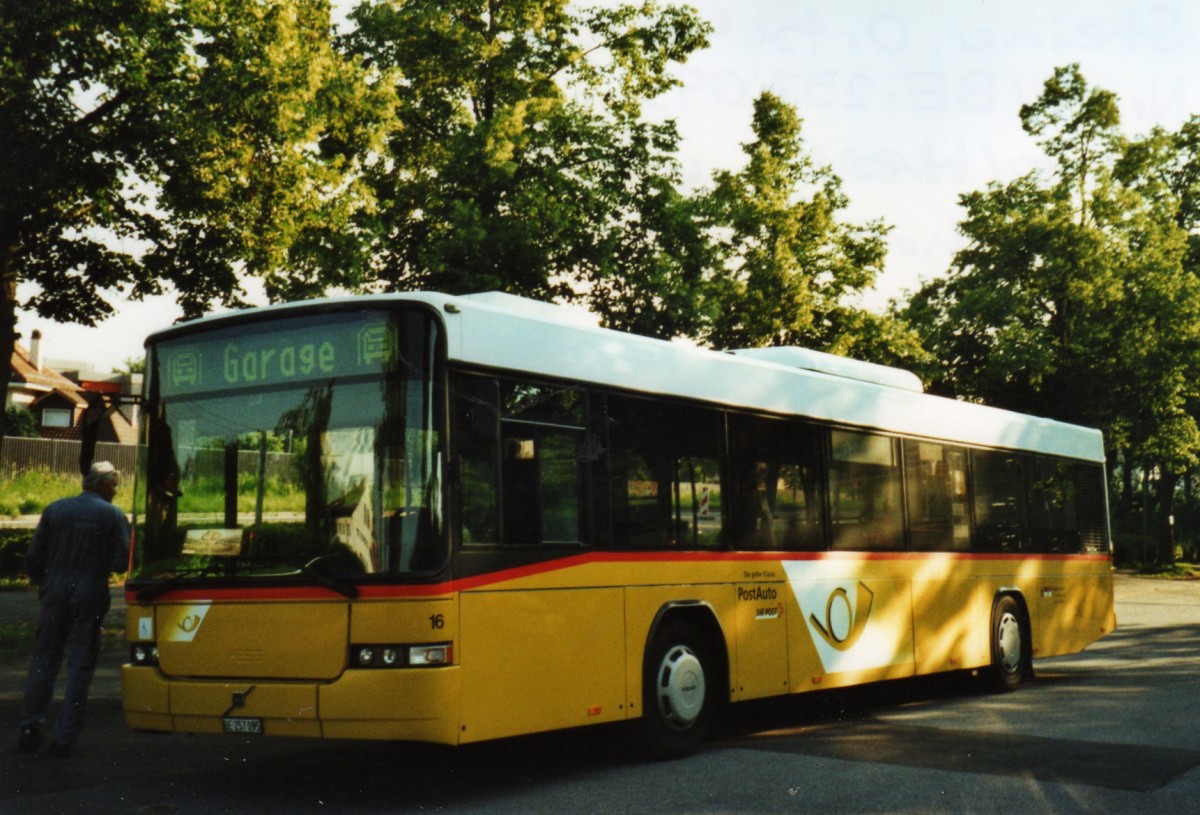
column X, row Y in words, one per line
column 78, row 543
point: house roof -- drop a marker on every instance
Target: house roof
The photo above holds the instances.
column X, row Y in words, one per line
column 52, row 389
column 24, row 372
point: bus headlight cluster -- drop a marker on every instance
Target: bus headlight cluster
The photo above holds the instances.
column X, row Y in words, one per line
column 401, row 656
column 143, row 653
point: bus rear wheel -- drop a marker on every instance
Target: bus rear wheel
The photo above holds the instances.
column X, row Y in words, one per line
column 1011, row 647
column 677, row 692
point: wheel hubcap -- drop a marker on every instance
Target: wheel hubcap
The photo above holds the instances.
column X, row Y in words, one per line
column 680, row 687
column 1008, row 640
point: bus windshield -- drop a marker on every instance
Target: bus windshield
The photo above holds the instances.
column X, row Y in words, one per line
column 301, row 447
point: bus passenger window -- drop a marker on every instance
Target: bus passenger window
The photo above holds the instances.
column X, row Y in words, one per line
column 938, row 511
column 665, row 475
column 1053, row 518
column 544, row 469
column 543, row 484
column 477, row 430
column 1092, row 509
column 1000, row 509
column 775, row 473
column 864, row 492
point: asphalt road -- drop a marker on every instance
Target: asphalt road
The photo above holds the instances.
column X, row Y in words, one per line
column 1115, row 729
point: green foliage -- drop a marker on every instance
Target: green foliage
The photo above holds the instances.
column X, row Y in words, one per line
column 134, row 365
column 16, row 638
column 792, row 264
column 20, row 422
column 458, row 146
column 1072, row 298
column 217, row 137
column 519, row 161
column 266, row 130
column 208, row 495
column 31, row 491
column 13, row 545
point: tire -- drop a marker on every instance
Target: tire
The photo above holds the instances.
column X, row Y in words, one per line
column 1011, row 646
column 678, row 687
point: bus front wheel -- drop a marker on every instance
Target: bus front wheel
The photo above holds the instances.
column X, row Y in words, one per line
column 677, row 692
column 1011, row 648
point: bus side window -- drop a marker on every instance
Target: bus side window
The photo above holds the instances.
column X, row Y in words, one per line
column 1053, row 519
column 1091, row 509
column 665, row 475
column 777, row 499
column 938, row 510
column 1001, row 523
column 476, row 405
column 544, row 471
column 864, row 491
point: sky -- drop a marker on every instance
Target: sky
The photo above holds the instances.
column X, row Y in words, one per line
column 911, row 102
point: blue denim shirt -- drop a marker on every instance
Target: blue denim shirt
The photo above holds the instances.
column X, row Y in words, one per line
column 78, row 539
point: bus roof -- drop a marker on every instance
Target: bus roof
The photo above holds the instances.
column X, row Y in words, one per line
column 505, row 332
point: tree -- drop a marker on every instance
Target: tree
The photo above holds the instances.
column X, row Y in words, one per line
column 260, row 159
column 791, row 263
column 21, row 422
column 1071, row 299
column 150, row 143
column 520, row 160
column 72, row 109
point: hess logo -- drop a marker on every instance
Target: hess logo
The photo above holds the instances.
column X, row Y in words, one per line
column 844, row 620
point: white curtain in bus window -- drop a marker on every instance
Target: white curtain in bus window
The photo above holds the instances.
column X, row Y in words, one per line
column 938, row 511
column 864, row 492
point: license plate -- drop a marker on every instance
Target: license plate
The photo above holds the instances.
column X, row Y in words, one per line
column 242, row 725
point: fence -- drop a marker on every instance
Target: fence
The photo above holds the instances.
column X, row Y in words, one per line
column 18, row 455
column 206, row 463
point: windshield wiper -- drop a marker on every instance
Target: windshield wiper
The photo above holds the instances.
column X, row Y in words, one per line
column 165, row 584
column 342, row 587
column 310, row 569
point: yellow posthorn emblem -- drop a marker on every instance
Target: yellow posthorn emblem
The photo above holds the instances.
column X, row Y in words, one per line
column 844, row 624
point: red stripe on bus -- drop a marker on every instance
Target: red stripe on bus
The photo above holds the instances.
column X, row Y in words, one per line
column 369, row 592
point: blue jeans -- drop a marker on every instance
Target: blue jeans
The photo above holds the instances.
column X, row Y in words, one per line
column 69, row 623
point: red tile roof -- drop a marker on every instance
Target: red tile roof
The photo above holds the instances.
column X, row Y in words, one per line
column 68, row 395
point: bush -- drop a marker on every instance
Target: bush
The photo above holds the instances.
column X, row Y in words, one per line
column 13, row 545
column 21, row 422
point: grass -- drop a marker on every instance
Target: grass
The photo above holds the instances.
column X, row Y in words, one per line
column 16, row 638
column 1168, row 571
column 208, row 495
column 31, row 491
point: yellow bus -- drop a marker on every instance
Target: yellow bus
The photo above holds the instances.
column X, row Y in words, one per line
column 457, row 518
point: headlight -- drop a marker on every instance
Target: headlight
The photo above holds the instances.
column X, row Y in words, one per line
column 143, row 653
column 424, row 655
column 401, row 656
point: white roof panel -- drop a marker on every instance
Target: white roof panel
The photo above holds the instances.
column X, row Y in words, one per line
column 515, row 334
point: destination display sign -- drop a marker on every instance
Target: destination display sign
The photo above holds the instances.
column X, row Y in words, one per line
column 295, row 351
